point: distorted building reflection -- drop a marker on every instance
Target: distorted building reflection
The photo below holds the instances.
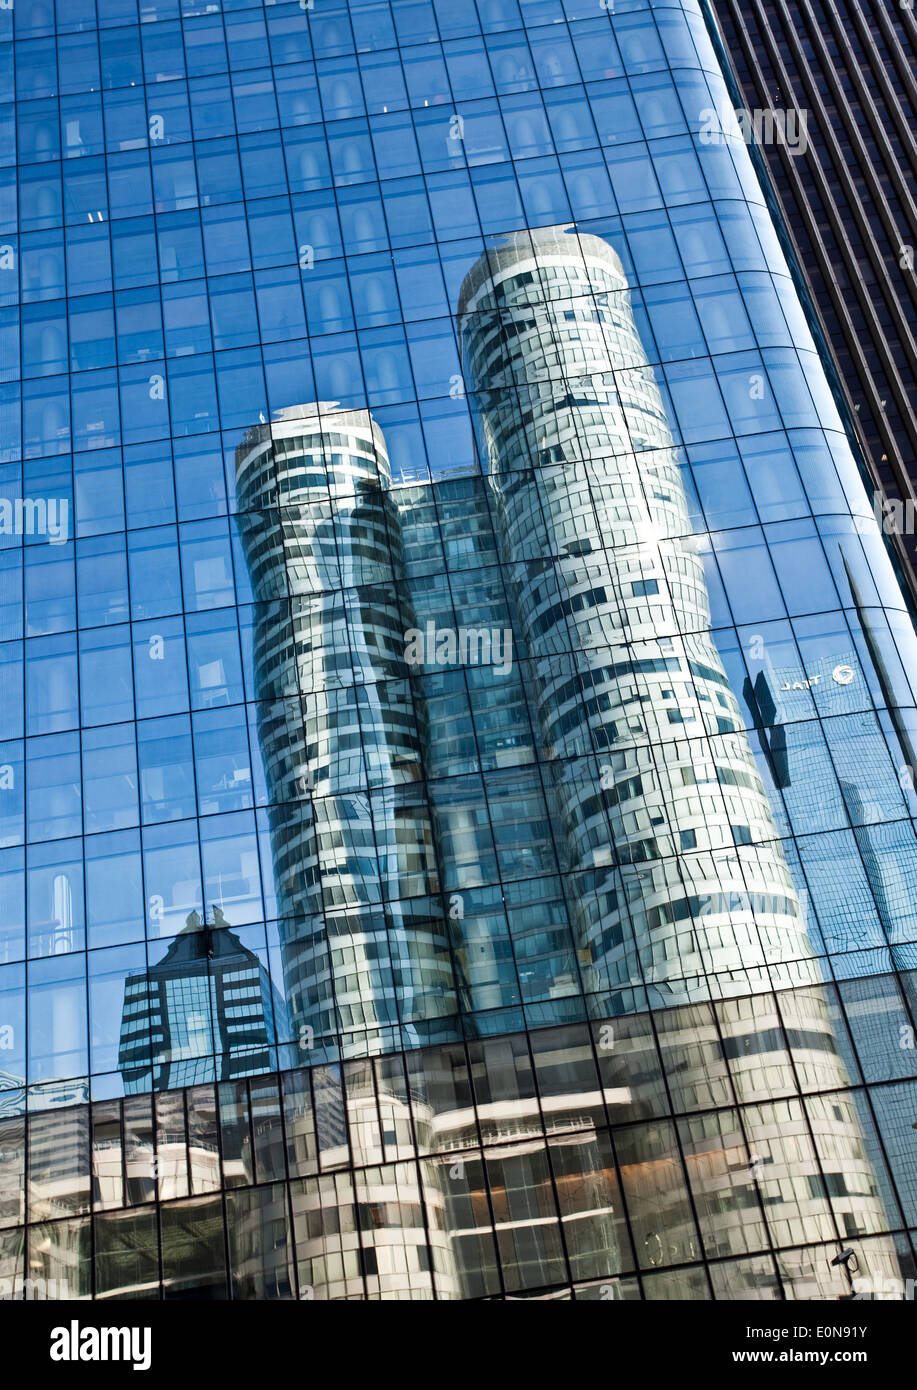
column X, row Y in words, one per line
column 365, row 951
column 207, row 1009
column 493, row 622
column 676, row 888
column 595, row 530
column 511, row 1167
column 655, row 765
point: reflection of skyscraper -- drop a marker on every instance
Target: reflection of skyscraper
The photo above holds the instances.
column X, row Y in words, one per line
column 598, row 535
column 207, row 1008
column 873, row 904
column 678, row 873
column 666, row 836
column 364, row 949
column 555, row 1019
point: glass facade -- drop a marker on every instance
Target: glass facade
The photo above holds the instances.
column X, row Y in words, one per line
column 457, row 800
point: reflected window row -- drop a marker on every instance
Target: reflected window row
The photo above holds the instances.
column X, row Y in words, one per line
column 224, row 1019
column 733, row 396
column 752, row 575
column 473, row 1172
column 369, row 46
column 390, row 262
column 681, row 319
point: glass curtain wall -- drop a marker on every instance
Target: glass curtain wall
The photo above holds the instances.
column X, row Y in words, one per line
column 456, row 798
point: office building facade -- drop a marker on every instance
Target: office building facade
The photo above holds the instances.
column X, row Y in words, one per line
column 843, row 74
column 207, row 997
column 458, row 832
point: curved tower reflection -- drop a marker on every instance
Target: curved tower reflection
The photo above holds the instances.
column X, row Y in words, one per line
column 680, row 884
column 365, row 953
column 598, row 535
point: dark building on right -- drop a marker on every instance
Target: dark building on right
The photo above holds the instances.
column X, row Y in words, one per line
column 844, row 72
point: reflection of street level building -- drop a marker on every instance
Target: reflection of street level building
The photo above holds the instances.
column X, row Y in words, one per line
column 382, row 1228
column 207, row 1008
column 512, row 1190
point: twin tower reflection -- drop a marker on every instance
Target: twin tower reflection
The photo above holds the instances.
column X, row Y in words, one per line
column 626, row 833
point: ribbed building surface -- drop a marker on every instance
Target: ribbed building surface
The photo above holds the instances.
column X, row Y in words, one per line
column 846, row 195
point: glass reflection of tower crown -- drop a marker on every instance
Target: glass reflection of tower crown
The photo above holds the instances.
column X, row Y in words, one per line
column 351, row 842
column 207, row 1008
column 599, row 535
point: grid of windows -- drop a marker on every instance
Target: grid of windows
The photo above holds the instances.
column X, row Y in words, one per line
column 845, row 198
column 645, row 1157
column 425, row 627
